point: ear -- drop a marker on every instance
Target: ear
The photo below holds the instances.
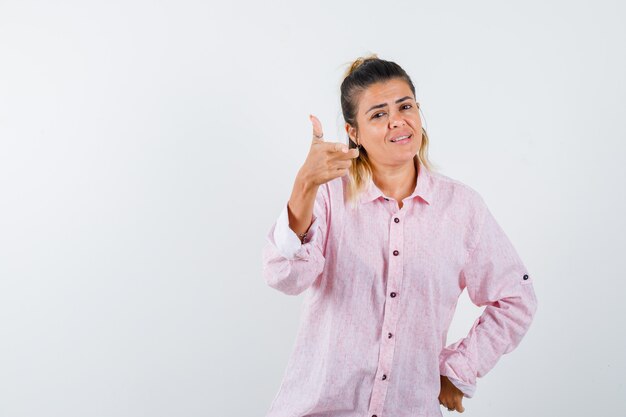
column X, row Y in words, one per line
column 352, row 132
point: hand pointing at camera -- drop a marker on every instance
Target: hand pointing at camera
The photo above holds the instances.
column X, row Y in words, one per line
column 324, row 162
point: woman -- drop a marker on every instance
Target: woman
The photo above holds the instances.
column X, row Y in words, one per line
column 383, row 247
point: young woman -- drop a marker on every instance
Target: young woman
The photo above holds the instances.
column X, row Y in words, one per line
column 383, row 247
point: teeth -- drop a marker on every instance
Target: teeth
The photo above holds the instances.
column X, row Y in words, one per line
column 400, row 138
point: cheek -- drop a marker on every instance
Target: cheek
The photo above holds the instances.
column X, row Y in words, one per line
column 417, row 143
column 375, row 134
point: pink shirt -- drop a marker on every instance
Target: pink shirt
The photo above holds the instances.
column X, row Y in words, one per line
column 381, row 285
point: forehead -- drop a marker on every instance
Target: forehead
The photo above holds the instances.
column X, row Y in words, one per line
column 384, row 92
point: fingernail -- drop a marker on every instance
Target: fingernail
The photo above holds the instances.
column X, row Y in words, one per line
column 345, row 149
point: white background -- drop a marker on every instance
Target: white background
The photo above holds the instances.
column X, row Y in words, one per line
column 146, row 147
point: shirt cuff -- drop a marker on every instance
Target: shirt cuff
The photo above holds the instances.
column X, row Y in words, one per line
column 286, row 240
column 453, row 362
column 468, row 390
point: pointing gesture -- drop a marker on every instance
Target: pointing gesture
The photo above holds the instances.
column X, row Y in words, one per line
column 318, row 134
column 326, row 160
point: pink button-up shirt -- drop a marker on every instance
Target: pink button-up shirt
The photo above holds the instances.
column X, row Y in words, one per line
column 381, row 285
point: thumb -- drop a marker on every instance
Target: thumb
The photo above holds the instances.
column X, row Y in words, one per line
column 318, row 133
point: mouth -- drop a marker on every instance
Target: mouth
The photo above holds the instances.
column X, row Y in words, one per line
column 402, row 139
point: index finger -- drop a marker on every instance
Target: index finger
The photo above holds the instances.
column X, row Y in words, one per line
column 459, row 405
column 337, row 147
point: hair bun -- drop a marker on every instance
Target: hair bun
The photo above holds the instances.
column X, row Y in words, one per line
column 358, row 62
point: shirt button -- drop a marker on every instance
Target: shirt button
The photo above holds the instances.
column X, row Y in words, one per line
column 395, row 253
column 525, row 276
column 397, row 220
column 384, row 377
column 393, row 294
column 389, row 336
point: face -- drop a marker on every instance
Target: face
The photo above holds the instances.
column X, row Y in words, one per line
column 386, row 111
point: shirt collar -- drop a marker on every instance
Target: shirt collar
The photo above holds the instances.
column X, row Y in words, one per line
column 423, row 186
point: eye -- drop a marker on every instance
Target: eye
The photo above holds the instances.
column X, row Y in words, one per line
column 407, row 105
column 376, row 115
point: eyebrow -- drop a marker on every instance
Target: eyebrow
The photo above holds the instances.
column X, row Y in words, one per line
column 378, row 106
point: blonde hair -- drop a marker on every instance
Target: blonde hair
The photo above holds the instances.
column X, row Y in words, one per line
column 363, row 72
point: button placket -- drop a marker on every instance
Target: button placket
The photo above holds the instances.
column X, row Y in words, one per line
column 390, row 319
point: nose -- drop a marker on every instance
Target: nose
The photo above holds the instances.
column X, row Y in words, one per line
column 396, row 121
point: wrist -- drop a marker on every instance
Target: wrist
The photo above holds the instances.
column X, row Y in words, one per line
column 304, row 186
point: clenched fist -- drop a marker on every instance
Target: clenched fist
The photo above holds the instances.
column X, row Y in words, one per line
column 450, row 396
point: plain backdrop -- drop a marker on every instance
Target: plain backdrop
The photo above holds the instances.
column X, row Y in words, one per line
column 146, row 148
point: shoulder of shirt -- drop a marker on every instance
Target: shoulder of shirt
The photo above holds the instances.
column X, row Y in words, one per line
column 448, row 185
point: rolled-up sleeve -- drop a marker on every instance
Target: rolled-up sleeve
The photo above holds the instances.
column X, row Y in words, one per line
column 289, row 265
column 496, row 278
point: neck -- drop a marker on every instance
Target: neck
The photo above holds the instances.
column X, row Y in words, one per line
column 396, row 181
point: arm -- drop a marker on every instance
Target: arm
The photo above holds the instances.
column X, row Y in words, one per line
column 289, row 265
column 496, row 278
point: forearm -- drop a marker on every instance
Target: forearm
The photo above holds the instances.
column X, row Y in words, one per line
column 300, row 205
column 499, row 329
column 289, row 265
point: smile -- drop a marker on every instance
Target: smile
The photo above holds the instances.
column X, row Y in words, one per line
column 402, row 139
